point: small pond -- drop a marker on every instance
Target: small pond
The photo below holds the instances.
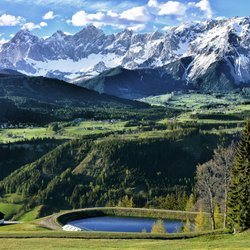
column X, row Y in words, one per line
column 120, row 224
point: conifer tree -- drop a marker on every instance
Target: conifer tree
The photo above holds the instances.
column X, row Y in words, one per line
column 200, row 221
column 239, row 192
column 190, row 203
column 187, row 227
column 158, row 227
column 218, row 217
column 126, row 202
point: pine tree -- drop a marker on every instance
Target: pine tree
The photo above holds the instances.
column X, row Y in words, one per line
column 158, row 227
column 218, row 217
column 190, row 203
column 126, row 202
column 187, row 227
column 200, row 221
column 239, row 192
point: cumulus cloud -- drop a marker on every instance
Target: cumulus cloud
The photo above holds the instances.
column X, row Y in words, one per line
column 82, row 18
column 205, row 6
column 177, row 8
column 49, row 15
column 134, row 18
column 30, row 26
column 153, row 3
column 112, row 14
column 172, row 8
column 136, row 14
column 43, row 24
column 9, row 20
column 155, row 12
column 168, row 8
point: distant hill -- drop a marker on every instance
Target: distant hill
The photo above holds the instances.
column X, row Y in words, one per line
column 24, row 98
column 8, row 72
column 145, row 82
column 135, row 84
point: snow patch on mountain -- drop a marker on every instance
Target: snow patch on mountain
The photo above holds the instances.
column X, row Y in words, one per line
column 90, row 51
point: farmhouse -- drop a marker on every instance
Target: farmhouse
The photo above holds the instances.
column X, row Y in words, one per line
column 1, row 218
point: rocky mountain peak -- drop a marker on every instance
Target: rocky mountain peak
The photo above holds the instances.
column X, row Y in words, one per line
column 24, row 36
column 90, row 49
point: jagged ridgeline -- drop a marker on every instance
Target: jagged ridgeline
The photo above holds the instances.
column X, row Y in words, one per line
column 98, row 171
column 209, row 56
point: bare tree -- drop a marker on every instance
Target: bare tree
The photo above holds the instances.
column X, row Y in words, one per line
column 224, row 160
column 214, row 178
column 208, row 184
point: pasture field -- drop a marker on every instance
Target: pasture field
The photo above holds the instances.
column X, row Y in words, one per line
column 223, row 114
column 214, row 242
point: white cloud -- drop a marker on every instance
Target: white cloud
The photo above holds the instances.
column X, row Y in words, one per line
column 49, row 15
column 137, row 27
column 112, row 14
column 68, row 33
column 155, row 12
column 31, row 26
column 205, row 6
column 172, row 8
column 82, row 18
column 43, row 24
column 9, row 20
column 99, row 19
column 168, row 8
column 96, row 17
column 153, row 3
column 136, row 14
column 166, row 28
column 180, row 9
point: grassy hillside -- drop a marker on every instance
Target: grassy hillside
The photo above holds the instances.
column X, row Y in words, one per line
column 9, row 209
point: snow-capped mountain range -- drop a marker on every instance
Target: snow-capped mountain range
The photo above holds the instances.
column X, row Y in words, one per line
column 90, row 51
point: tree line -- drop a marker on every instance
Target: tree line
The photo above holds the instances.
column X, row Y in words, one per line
column 223, row 184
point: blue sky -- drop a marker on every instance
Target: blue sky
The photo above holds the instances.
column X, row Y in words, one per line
column 44, row 17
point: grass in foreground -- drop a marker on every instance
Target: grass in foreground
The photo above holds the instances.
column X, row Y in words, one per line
column 223, row 242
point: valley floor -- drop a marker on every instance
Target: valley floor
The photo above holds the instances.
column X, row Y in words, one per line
column 226, row 242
